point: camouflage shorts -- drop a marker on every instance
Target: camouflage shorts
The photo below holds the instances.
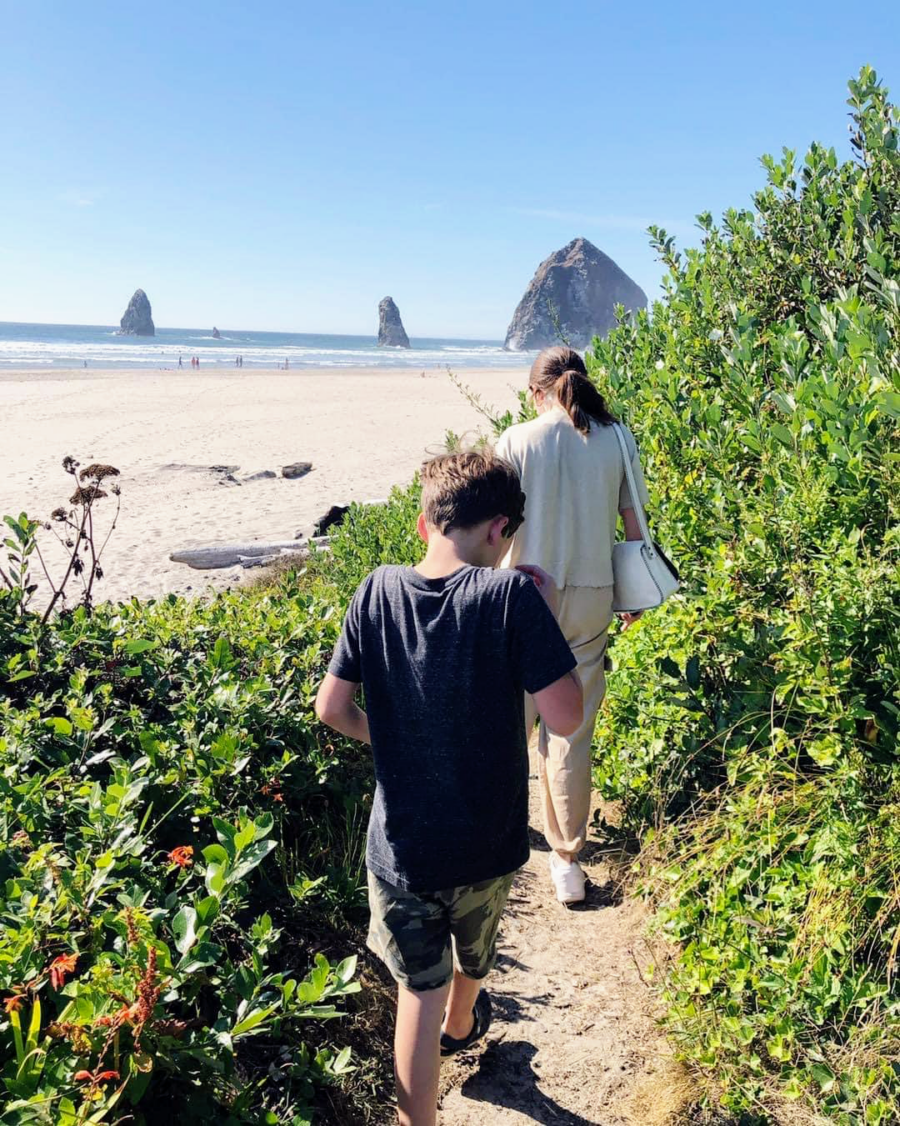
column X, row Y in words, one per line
column 420, row 936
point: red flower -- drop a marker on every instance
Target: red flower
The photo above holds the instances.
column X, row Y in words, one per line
column 60, row 968
column 182, row 856
column 272, row 789
column 13, row 1004
column 95, row 1078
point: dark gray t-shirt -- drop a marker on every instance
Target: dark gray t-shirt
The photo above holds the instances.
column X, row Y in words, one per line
column 445, row 665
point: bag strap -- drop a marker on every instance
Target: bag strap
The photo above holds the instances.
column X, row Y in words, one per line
column 632, row 488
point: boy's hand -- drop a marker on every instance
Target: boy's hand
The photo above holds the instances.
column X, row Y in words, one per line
column 545, row 583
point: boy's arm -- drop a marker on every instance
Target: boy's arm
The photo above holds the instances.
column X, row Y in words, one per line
column 336, row 707
column 561, row 704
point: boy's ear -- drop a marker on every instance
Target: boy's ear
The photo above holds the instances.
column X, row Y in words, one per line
column 495, row 530
column 422, row 528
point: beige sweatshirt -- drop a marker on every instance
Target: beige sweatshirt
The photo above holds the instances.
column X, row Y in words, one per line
column 574, row 485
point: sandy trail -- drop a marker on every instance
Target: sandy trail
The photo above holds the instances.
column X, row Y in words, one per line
column 574, row 1040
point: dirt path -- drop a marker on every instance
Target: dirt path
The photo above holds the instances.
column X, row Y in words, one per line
column 574, row 1041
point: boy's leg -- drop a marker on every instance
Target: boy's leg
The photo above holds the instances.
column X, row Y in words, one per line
column 410, row 933
column 417, row 1060
column 475, row 913
column 460, row 1017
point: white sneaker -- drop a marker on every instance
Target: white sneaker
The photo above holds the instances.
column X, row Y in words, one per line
column 568, row 879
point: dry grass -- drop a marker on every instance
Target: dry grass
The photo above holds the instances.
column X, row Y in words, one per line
column 661, row 1097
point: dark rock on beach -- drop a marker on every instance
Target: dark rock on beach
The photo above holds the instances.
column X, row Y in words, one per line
column 136, row 320
column 331, row 519
column 296, row 469
column 391, row 333
column 262, row 475
column 572, row 296
column 216, row 335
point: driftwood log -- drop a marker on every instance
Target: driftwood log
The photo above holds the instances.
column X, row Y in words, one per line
column 216, row 556
column 213, row 557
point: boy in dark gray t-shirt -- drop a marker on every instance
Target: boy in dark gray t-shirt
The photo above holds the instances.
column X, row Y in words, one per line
column 445, row 652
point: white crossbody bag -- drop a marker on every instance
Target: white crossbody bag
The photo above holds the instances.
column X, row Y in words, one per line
column 642, row 576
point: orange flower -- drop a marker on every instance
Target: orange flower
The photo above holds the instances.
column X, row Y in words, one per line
column 272, row 789
column 13, row 1004
column 60, row 968
column 182, row 856
column 93, row 1079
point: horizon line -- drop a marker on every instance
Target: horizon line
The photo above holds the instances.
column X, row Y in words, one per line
column 208, row 328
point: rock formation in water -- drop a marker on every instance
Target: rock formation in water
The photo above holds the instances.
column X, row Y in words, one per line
column 216, row 335
column 572, row 296
column 137, row 321
column 391, row 333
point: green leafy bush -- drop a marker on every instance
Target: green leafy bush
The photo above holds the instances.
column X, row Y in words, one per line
column 168, row 806
column 760, row 708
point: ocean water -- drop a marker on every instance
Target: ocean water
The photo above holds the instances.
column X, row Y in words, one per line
column 45, row 346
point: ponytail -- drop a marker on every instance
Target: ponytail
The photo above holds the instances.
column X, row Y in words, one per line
column 562, row 372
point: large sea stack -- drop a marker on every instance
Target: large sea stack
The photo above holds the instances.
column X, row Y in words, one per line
column 573, row 295
column 137, row 320
column 391, row 333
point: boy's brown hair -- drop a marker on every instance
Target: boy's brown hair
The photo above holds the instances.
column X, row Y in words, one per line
column 464, row 489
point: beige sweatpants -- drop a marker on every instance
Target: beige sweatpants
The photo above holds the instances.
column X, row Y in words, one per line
column 564, row 763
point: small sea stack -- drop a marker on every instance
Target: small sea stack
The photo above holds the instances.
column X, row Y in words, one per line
column 216, row 335
column 573, row 296
column 137, row 319
column 391, row 333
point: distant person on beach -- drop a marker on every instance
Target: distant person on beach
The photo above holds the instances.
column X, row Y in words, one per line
column 179, row 362
column 573, row 475
column 444, row 653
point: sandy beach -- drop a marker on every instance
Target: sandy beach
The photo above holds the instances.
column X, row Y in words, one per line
column 364, row 431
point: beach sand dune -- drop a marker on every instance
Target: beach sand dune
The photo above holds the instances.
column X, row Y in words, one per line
column 363, row 431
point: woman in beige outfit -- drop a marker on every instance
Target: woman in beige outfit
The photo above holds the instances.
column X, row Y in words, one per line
column 573, row 477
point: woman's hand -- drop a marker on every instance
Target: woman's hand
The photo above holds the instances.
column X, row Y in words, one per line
column 545, row 583
column 629, row 619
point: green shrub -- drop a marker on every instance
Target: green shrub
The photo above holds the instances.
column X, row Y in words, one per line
column 759, row 709
column 168, row 809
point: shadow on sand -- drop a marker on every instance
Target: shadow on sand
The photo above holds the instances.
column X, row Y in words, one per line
column 505, row 1078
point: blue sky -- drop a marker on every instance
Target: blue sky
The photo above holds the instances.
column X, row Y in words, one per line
column 284, row 166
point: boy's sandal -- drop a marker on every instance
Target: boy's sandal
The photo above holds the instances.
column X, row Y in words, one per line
column 482, row 1014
